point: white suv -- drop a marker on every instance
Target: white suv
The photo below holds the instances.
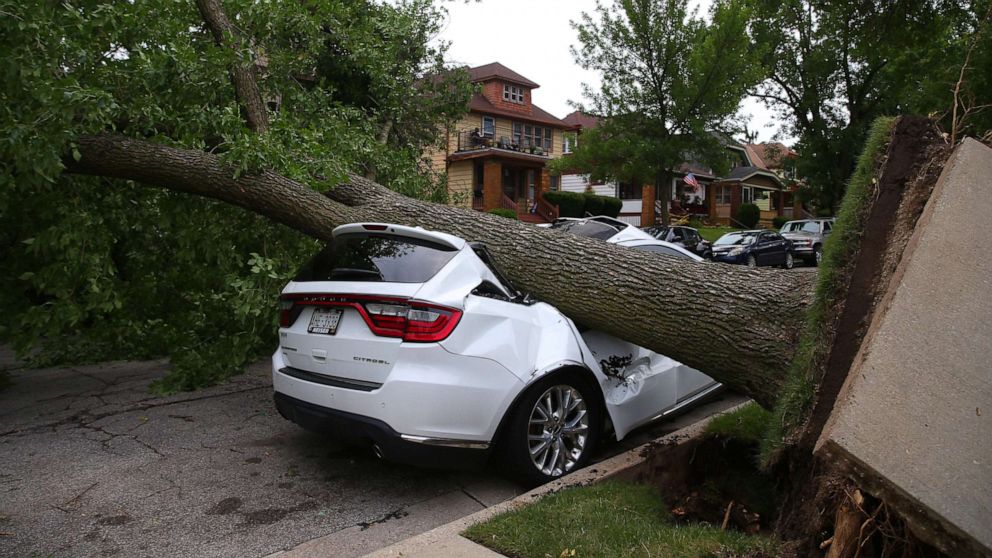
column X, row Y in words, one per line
column 413, row 342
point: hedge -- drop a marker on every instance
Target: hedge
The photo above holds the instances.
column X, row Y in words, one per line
column 574, row 204
column 502, row 212
column 570, row 204
column 594, row 204
column 748, row 215
column 779, row 221
column 612, row 206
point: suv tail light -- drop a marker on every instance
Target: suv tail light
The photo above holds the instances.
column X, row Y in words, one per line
column 409, row 320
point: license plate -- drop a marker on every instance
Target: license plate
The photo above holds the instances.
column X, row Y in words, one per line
column 325, row 320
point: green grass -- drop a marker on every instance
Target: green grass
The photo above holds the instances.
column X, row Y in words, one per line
column 747, row 424
column 608, row 519
column 796, row 401
column 713, row 233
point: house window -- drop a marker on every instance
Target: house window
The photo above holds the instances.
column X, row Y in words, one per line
column 488, row 126
column 628, row 191
column 526, row 135
column 554, row 182
column 570, row 141
column 722, row 194
column 513, row 94
column 747, row 195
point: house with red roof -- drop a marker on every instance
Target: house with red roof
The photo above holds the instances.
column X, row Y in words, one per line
column 760, row 174
column 497, row 155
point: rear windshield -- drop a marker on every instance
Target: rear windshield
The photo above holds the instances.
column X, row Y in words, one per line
column 377, row 257
column 801, row 226
column 591, row 229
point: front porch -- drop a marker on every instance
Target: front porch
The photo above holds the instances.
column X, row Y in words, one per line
column 514, row 183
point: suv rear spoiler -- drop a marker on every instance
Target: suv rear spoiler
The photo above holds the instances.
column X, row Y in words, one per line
column 400, row 230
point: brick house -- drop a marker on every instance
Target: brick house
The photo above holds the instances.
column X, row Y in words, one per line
column 716, row 199
column 496, row 156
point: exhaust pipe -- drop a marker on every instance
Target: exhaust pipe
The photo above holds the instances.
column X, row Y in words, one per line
column 377, row 450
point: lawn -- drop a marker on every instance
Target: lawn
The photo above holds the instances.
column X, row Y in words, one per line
column 609, row 519
column 713, row 233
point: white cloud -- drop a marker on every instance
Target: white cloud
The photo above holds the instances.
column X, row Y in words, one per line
column 532, row 37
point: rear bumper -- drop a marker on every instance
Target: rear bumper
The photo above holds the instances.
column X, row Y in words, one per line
column 363, row 430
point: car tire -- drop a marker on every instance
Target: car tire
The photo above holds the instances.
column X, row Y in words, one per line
column 817, row 255
column 790, row 262
column 751, row 262
column 539, row 445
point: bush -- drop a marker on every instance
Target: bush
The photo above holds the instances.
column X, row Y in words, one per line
column 779, row 221
column 594, row 204
column 508, row 213
column 612, row 206
column 570, row 204
column 748, row 215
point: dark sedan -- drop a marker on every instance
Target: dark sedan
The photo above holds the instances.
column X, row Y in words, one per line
column 686, row 237
column 754, row 248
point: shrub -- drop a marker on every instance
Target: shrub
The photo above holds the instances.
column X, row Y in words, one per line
column 779, row 221
column 748, row 215
column 508, row 213
column 570, row 204
column 594, row 204
column 612, row 206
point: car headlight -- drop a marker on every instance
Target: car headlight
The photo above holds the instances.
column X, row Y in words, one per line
column 736, row 251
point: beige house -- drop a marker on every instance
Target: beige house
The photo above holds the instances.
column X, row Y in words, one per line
column 497, row 155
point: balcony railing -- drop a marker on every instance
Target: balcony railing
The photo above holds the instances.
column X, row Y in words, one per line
column 503, row 137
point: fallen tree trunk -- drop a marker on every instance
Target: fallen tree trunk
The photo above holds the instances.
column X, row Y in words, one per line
column 736, row 324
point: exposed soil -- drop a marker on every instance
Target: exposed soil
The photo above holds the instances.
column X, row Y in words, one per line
column 709, row 479
column 912, row 164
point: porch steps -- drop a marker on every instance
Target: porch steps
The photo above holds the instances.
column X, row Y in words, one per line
column 531, row 218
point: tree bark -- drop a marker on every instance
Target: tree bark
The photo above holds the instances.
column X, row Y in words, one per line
column 738, row 325
column 242, row 74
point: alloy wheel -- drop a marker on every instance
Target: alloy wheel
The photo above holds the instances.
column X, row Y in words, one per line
column 558, row 430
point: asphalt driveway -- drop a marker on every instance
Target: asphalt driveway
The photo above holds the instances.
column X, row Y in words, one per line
column 91, row 464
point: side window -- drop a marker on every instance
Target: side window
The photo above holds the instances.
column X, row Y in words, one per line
column 827, row 225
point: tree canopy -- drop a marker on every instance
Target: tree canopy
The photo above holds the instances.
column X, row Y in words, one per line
column 344, row 89
column 672, row 82
column 832, row 68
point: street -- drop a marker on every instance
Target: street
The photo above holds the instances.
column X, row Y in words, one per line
column 92, row 464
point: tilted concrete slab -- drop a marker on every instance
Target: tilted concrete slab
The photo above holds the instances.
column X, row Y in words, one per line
column 914, row 420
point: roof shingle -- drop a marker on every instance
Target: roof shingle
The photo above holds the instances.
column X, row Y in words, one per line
column 497, row 70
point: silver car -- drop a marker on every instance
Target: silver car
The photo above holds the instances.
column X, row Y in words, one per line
column 807, row 237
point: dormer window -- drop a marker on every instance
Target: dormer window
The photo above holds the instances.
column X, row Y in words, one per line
column 513, row 94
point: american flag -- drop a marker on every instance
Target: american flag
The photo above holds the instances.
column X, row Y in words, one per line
column 691, row 181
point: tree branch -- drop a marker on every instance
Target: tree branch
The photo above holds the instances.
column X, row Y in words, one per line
column 242, row 74
column 747, row 320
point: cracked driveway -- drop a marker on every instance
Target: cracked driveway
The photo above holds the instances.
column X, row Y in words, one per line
column 91, row 464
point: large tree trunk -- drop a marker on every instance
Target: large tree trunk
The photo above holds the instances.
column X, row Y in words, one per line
column 736, row 324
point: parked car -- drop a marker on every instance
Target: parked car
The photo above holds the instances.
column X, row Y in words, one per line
column 413, row 342
column 754, row 248
column 807, row 237
column 687, row 237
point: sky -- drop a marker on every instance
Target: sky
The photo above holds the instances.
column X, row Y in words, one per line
column 532, row 37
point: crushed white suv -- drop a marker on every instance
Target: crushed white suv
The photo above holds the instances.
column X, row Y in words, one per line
column 413, row 342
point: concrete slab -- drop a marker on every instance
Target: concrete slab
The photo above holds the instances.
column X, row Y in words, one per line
column 913, row 420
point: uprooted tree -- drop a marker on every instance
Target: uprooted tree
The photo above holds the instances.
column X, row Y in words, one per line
column 264, row 107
